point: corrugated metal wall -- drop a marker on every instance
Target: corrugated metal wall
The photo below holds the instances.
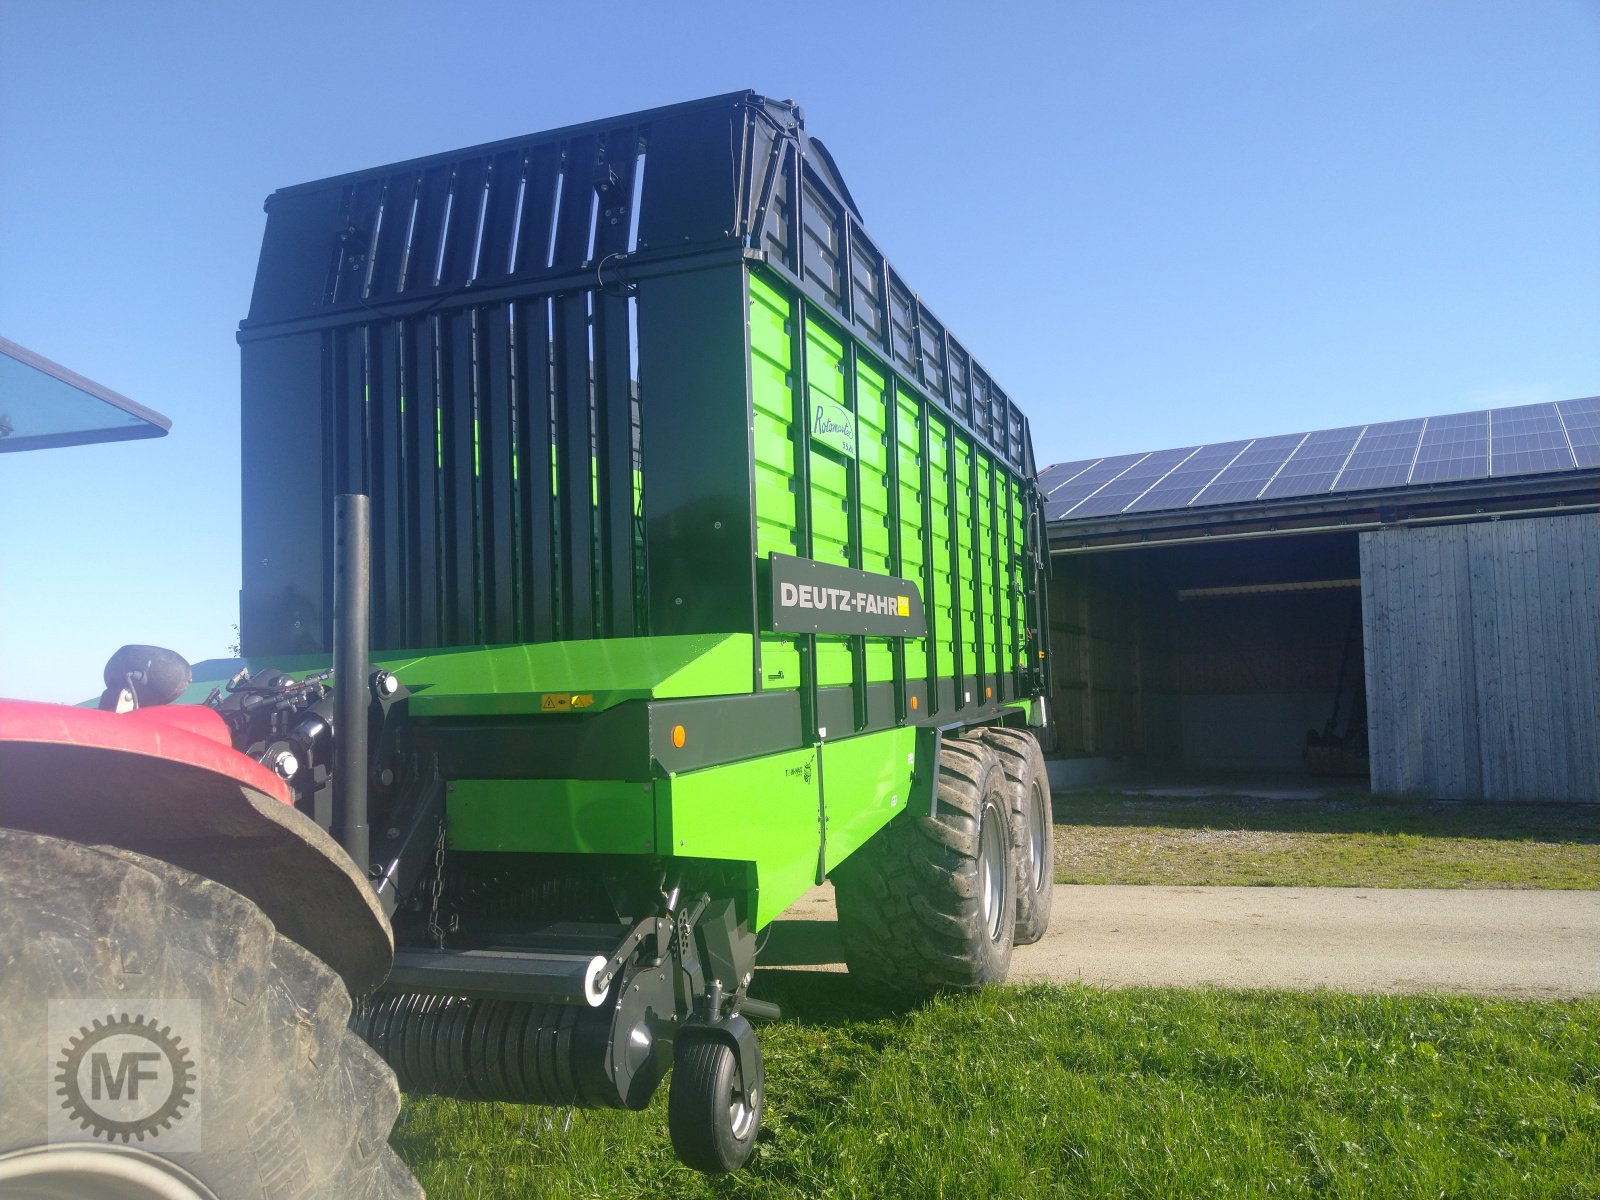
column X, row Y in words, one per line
column 1483, row 659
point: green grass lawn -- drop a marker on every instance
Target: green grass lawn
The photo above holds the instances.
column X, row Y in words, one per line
column 1354, row 841
column 1072, row 1091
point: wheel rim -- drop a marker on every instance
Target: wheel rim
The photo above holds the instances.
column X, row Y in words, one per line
column 1038, row 830
column 78, row 1171
column 992, row 867
column 741, row 1117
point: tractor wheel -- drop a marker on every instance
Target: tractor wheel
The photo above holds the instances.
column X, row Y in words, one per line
column 713, row 1125
column 929, row 904
column 1033, row 832
column 118, row 972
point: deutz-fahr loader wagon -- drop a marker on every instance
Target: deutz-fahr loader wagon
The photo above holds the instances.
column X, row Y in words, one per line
column 627, row 549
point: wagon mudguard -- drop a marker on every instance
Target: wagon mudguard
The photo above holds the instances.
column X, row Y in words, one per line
column 166, row 782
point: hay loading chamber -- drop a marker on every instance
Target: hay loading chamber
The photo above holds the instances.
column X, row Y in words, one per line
column 680, row 546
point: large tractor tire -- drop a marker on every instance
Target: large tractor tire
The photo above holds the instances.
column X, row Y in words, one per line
column 279, row 1099
column 1032, row 825
column 929, row 904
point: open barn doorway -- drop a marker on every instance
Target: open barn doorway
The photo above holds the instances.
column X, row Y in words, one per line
column 1238, row 657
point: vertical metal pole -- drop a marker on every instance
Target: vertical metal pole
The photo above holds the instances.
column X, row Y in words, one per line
column 352, row 605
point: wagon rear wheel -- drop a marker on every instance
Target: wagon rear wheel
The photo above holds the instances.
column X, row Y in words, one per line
column 929, row 904
column 1033, row 831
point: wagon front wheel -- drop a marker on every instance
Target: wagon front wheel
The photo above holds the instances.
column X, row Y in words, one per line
column 713, row 1120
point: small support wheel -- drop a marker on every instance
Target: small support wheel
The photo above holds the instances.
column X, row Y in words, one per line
column 712, row 1119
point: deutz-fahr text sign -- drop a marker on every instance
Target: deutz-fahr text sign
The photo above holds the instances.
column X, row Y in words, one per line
column 813, row 597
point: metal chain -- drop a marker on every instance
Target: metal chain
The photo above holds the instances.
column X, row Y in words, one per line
column 436, row 889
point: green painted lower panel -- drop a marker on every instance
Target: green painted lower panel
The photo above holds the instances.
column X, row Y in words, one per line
column 762, row 811
column 866, row 781
column 551, row 816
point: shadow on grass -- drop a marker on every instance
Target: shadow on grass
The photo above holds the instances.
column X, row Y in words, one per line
column 1510, row 821
column 811, row 997
column 824, row 998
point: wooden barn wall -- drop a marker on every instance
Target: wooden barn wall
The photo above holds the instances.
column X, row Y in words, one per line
column 1483, row 659
column 1096, row 655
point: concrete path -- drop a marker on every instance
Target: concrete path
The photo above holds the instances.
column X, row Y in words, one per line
column 1530, row 944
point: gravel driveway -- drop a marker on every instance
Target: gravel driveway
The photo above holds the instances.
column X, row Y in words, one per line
column 1528, row 944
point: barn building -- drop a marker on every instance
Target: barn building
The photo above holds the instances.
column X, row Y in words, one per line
column 1417, row 601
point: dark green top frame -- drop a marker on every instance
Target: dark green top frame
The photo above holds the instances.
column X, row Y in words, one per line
column 536, row 357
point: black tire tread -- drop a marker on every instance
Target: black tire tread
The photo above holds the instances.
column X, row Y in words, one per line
column 1023, row 762
column 908, row 904
column 702, row 1075
column 295, row 1104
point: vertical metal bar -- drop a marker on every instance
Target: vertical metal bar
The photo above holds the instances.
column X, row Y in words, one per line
column 769, row 181
column 329, row 441
column 614, row 434
column 575, row 478
column 1013, row 561
column 914, row 313
column 809, row 698
column 797, row 217
column 496, row 572
column 460, row 528
column 1038, row 562
column 858, row 642
column 535, row 549
column 347, row 424
column 352, row 599
column 350, row 411
column 847, row 286
column 757, row 630
column 930, row 602
column 388, row 551
column 957, row 624
column 891, row 426
column 422, row 485
column 997, row 576
column 886, row 311
column 979, row 608
column 613, row 394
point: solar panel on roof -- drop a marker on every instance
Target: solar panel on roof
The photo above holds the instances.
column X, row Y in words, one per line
column 1069, row 472
column 1452, row 447
column 1581, row 420
column 1315, row 462
column 1072, row 492
column 1382, row 458
column 1246, row 475
column 1527, row 439
column 1184, row 480
column 1118, row 493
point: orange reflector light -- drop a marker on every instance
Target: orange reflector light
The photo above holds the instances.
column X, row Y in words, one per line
column 914, row 704
column 988, row 693
column 677, row 736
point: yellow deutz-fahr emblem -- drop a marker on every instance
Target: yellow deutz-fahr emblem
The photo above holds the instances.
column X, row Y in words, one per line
column 565, row 701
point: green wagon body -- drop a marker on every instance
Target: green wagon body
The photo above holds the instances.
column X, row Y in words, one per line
column 694, row 536
column 594, row 381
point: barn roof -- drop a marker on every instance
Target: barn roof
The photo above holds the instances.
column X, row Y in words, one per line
column 1442, row 467
column 1496, row 443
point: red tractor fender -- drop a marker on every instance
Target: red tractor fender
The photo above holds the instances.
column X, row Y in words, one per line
column 166, row 782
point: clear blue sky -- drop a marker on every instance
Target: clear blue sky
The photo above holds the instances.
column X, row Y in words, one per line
column 1156, row 223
